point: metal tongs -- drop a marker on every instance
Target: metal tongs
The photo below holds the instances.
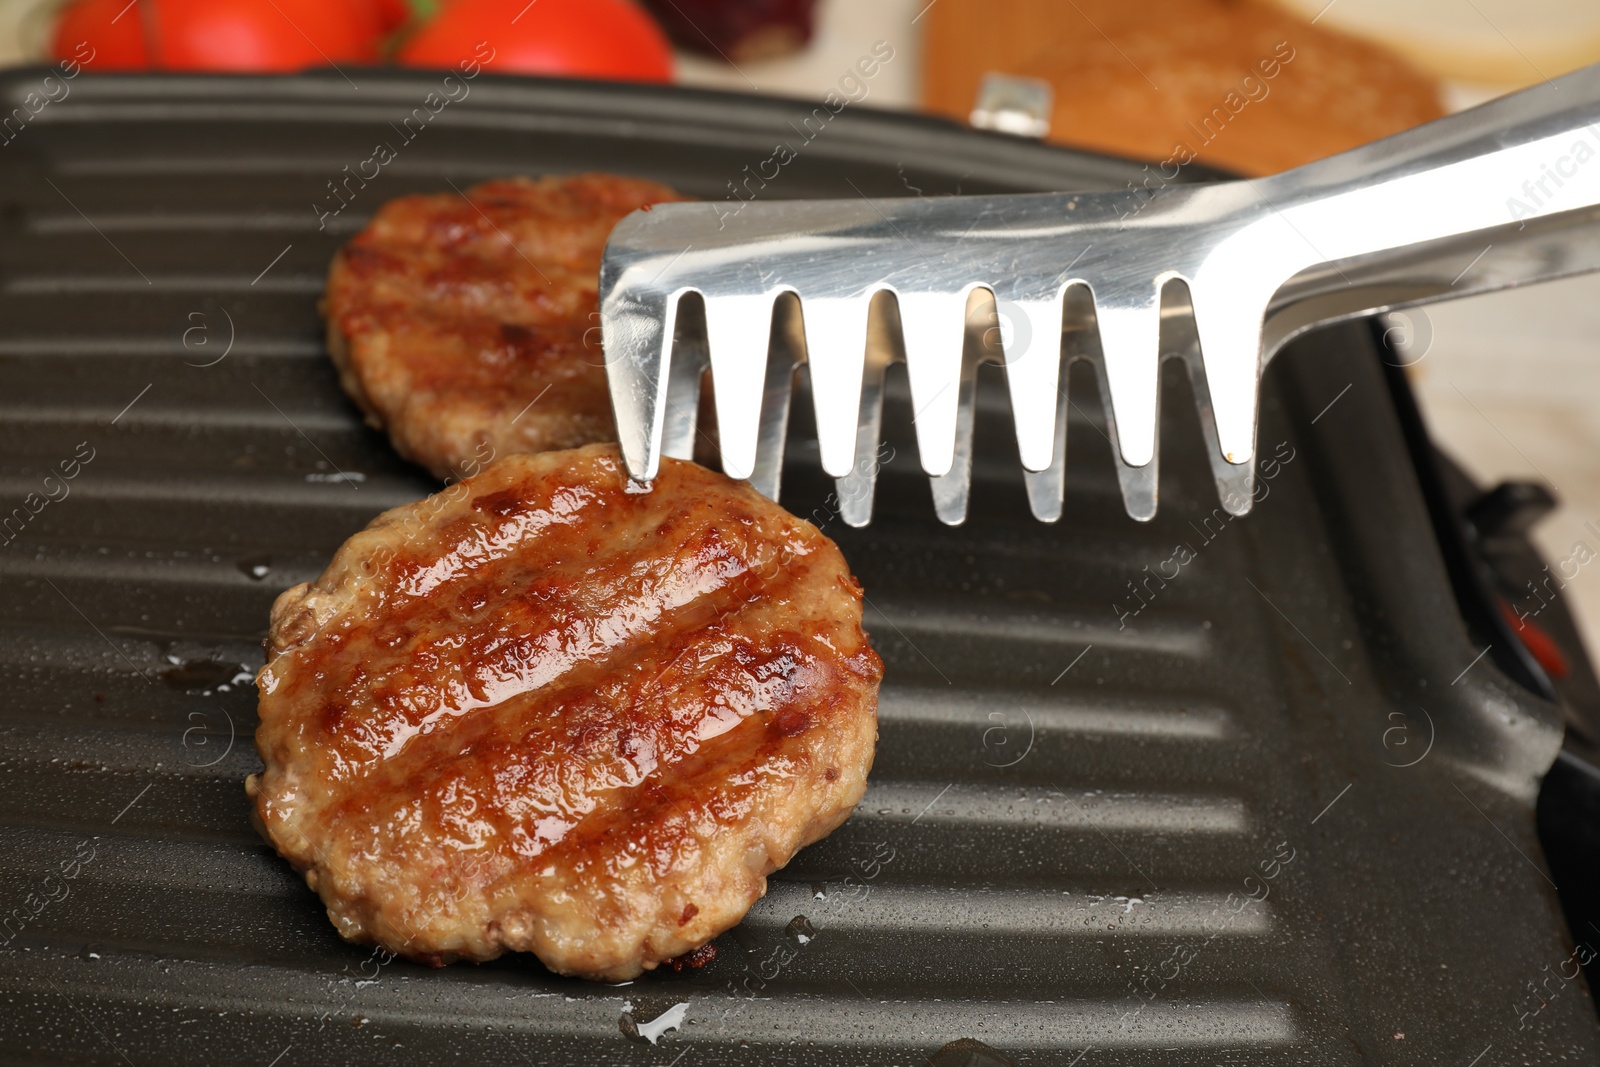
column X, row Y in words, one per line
column 1486, row 199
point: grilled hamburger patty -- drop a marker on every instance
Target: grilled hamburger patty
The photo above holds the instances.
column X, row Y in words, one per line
column 466, row 325
column 542, row 710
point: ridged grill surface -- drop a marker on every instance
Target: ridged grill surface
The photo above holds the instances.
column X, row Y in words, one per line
column 1079, row 791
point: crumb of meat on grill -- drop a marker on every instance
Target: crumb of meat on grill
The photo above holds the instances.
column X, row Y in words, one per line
column 466, row 325
column 544, row 711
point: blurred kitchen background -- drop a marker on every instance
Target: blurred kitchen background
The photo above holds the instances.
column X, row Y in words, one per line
column 1510, row 383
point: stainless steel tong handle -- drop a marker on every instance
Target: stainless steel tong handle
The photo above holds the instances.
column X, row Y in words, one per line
column 1501, row 195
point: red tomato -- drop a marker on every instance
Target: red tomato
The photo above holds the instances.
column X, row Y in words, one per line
column 396, row 13
column 386, row 15
column 259, row 35
column 102, row 35
column 567, row 38
column 250, row 35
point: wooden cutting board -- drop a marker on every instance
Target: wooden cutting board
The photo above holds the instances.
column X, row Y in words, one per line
column 1234, row 83
column 964, row 39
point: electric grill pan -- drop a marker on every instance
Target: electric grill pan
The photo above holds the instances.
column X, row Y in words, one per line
column 1268, row 804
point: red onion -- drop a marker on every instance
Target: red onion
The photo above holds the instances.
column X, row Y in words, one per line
column 736, row 30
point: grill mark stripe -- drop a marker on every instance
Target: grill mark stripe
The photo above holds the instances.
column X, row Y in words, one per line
column 900, row 801
column 199, row 285
column 1058, row 712
column 231, row 868
column 1219, row 1022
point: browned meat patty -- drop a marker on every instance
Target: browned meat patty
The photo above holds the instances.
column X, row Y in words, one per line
column 467, row 325
column 544, row 711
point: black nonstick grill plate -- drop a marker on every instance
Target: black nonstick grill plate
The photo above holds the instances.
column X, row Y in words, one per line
column 1198, row 791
